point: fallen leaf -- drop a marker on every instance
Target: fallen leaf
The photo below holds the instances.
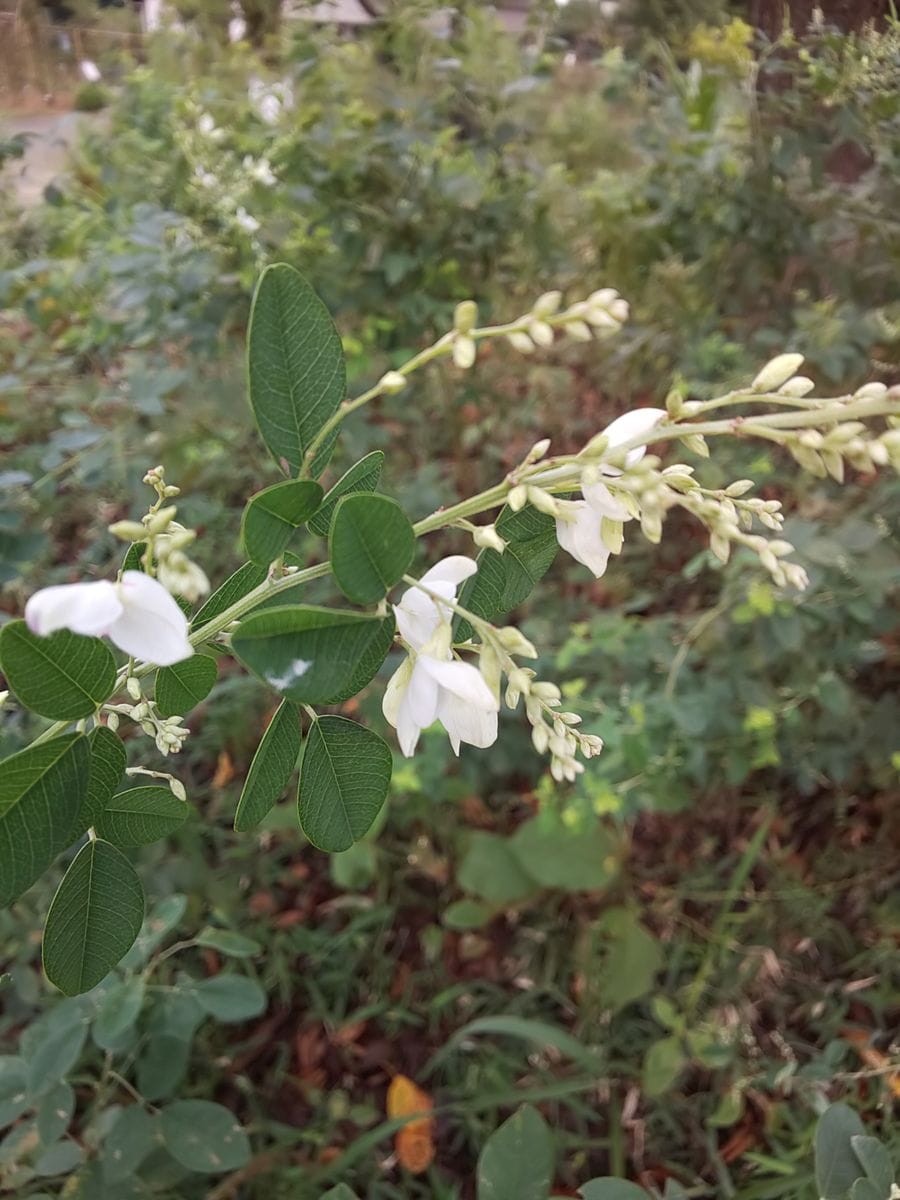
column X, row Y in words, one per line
column 414, row 1143
column 224, row 770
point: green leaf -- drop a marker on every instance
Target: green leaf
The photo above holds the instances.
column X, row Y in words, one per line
column 162, row 1065
column 538, row 1033
column 273, row 516
column 55, row 1112
column 42, row 790
column 142, row 815
column 875, row 1161
column 119, row 1010
column 185, row 684
column 491, row 870
column 226, row 941
column 344, row 777
column 371, row 545
column 63, row 676
column 632, row 960
column 314, row 655
column 864, row 1189
column 609, row 1188
column 837, row 1167
column 14, row 1098
column 517, row 1161
column 363, row 476
column 128, row 1143
column 295, row 366
column 663, row 1063
column 159, row 922
column 235, row 587
column 203, row 1136
column 271, row 769
column 339, row 1192
column 108, row 759
column 230, row 997
column 466, row 914
column 94, row 919
column 52, row 1045
column 559, row 857
column 59, row 1159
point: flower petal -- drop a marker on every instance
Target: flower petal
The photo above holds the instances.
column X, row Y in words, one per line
column 88, row 608
column 461, row 680
column 604, row 503
column 465, row 722
column 453, row 570
column 631, row 425
column 395, row 691
column 418, row 708
column 152, row 627
column 418, row 615
column 581, row 538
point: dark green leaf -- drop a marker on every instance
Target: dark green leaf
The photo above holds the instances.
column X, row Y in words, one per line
column 273, row 764
column 94, row 919
column 185, row 684
column 64, row 676
column 295, row 366
column 142, row 815
column 108, row 759
column 340, row 1192
column 875, row 1161
column 203, row 1136
column 52, row 1045
column 559, row 857
column 837, row 1167
column 864, row 1189
column 609, row 1188
column 128, row 1143
column 344, row 777
column 59, row 1159
column 162, row 1065
column 273, row 516
column 14, row 1097
column 371, row 545
column 42, row 790
column 133, row 556
column 314, row 655
column 235, row 587
column 230, row 997
column 55, row 1112
column 362, row 477
column 517, row 1160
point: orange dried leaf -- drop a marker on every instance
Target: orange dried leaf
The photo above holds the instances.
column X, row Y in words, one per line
column 414, row 1143
column 224, row 770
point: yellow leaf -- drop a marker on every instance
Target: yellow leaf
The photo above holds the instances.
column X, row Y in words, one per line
column 414, row 1143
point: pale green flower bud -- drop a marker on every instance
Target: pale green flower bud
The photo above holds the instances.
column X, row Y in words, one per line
column 464, row 352
column 128, row 531
column 777, row 372
column 871, row 391
column 602, row 298
column 171, row 490
column 177, row 789
column 465, row 316
column 159, row 522
column 112, row 721
column 548, row 692
column 543, row 501
column 518, row 497
column 133, row 687
column 540, row 737
column 488, row 538
column 739, row 488
column 515, row 642
column 580, row 331
column 651, row 527
column 538, row 450
column 392, row 382
column 696, row 442
column 547, row 305
column 720, row 546
column 799, row 385
column 541, row 333
column 519, row 340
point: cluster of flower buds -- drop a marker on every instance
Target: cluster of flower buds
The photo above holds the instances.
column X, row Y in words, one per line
column 168, row 732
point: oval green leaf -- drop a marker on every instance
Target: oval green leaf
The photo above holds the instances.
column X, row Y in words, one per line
column 837, row 1167
column 371, row 545
column 185, row 684
column 273, row 764
column 363, row 476
column 228, row 942
column 42, row 790
column 94, row 919
column 313, row 655
column 235, row 587
column 63, row 676
column 142, row 815
column 295, row 367
column 108, row 759
column 344, row 777
column 272, row 517
column 517, row 1160
column 203, row 1136
column 230, row 997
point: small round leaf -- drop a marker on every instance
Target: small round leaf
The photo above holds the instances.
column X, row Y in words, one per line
column 371, row 545
column 203, row 1136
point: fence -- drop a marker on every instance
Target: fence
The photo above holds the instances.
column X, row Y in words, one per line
column 39, row 58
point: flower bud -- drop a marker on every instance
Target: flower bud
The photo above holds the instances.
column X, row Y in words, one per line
column 603, row 298
column 171, row 490
column 579, row 330
column 128, row 531
column 518, row 497
column 871, row 391
column 519, row 340
column 740, row 487
column 515, row 642
column 464, row 352
column 538, row 450
column 543, row 501
column 547, row 305
column 777, row 372
column 159, row 522
column 541, row 333
column 720, row 546
column 487, row 537
column 799, row 385
column 465, row 316
column 112, row 721
column 133, row 687
column 540, row 737
column 697, row 443
column 177, row 789
column 392, row 382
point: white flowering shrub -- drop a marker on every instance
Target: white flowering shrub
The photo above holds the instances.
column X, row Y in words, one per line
column 460, row 663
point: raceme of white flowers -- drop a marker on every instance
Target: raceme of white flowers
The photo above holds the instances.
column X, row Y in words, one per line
column 431, row 685
column 137, row 614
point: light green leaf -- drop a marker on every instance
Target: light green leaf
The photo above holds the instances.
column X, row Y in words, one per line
column 108, row 759
column 467, row 914
column 226, row 941
column 663, row 1063
column 128, row 1143
column 559, row 857
column 273, row 516
column 633, row 958
column 63, row 676
column 59, row 1159
column 271, row 769
column 119, row 1010
column 865, row 1189
column 230, row 997
column 345, row 772
column 314, row 655
column 837, row 1166
column 491, row 870
column 371, row 545
column 876, row 1162
column 235, row 587
column 54, row 1113
column 162, row 1065
column 141, row 815
column 94, row 919
column 609, row 1188
column 161, row 920
column 203, row 1136
column 295, row 366
column 14, row 1098
column 538, row 1033
column 363, row 476
column 42, row 790
column 52, row 1045
column 517, row 1161
column 185, row 684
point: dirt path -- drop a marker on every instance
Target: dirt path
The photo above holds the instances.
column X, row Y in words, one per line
column 47, row 152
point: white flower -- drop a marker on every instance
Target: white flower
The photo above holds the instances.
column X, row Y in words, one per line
column 631, row 425
column 578, row 532
column 137, row 614
column 89, row 71
column 260, row 170
column 206, row 125
column 247, row 223
column 431, row 685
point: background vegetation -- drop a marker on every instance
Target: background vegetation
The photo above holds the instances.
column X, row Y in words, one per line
column 679, row 960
